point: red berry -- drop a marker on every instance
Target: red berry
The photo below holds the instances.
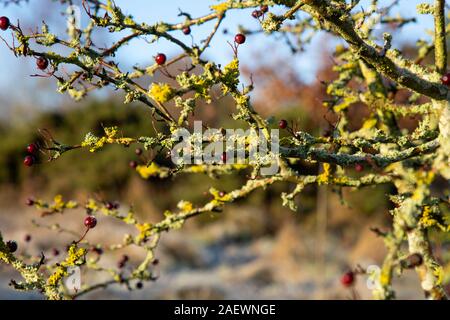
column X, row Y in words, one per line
column 122, row 262
column 90, row 222
column 29, row 202
column 221, row 194
column 186, row 30
column 256, row 14
column 359, row 167
column 32, row 148
column 55, row 252
column 138, row 151
column 28, row 161
column 446, row 79
column 160, row 58
column 27, row 238
column 133, row 164
column 42, row 63
column 96, row 250
column 116, row 205
column 223, row 157
column 109, row 205
column 4, row 23
column 264, row 8
column 12, row 246
column 348, row 279
column 239, row 38
column 283, row 124
column 155, row 262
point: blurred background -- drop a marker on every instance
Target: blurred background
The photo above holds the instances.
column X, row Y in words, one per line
column 254, row 249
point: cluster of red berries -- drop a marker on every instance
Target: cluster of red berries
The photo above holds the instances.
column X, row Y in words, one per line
column 30, row 159
column 133, row 164
column 4, row 23
column 112, row 205
column 259, row 13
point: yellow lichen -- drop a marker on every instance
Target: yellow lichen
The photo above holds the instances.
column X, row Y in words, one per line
column 230, row 77
column 161, row 92
column 324, row 177
column 148, row 171
column 221, row 7
column 144, row 232
column 185, row 206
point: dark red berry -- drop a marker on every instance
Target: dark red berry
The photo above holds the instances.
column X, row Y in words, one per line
column 32, row 148
column 4, row 23
column 256, row 14
column 264, row 8
column 55, row 252
column 348, row 279
column 186, row 30
column 42, row 63
column 239, row 38
column 223, row 157
column 28, row 161
column 283, row 124
column 96, row 250
column 122, row 262
column 27, row 238
column 138, row 151
column 412, row 261
column 109, row 205
column 29, row 202
column 133, row 164
column 359, row 167
column 446, row 79
column 12, row 246
column 160, row 58
column 155, row 262
column 139, row 285
column 116, row 205
column 90, row 222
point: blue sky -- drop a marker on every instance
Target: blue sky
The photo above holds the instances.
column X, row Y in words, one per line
column 19, row 85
